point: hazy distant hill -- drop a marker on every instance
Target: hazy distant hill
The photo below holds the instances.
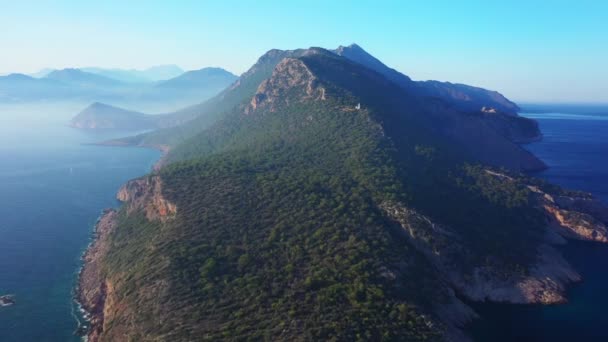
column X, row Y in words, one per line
column 103, row 116
column 151, row 88
column 77, row 77
column 199, row 78
column 192, row 87
column 20, row 87
column 42, row 73
column 153, row 74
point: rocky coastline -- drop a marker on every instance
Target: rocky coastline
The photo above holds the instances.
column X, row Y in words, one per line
column 92, row 289
column 569, row 216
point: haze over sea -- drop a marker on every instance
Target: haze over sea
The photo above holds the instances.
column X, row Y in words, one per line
column 576, row 150
column 52, row 189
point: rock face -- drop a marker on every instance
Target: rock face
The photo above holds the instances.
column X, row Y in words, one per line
column 575, row 217
column 94, row 289
column 146, row 194
column 290, row 73
column 572, row 216
column 545, row 283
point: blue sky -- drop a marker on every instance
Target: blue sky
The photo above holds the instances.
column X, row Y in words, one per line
column 548, row 51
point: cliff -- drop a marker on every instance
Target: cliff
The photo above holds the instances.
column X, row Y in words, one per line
column 145, row 194
column 93, row 286
column 96, row 290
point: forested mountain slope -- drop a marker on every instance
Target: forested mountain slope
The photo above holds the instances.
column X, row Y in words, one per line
column 326, row 202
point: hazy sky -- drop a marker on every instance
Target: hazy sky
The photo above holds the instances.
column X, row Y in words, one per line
column 530, row 50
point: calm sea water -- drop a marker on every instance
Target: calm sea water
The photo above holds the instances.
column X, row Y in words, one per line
column 52, row 190
column 575, row 146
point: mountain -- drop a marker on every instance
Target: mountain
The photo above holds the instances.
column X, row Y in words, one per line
column 42, row 73
column 81, row 78
column 162, row 72
column 122, row 75
column 131, row 88
column 321, row 200
column 468, row 127
column 355, row 53
column 197, row 85
column 497, row 110
column 206, row 77
column 152, row 74
column 190, row 86
column 103, row 116
column 19, row 87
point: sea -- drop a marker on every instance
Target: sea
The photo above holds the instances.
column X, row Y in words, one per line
column 575, row 147
column 53, row 187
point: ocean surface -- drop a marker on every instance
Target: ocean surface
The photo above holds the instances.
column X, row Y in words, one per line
column 53, row 188
column 575, row 147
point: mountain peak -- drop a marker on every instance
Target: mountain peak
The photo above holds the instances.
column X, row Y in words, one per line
column 357, row 54
column 352, row 47
column 17, row 76
column 78, row 76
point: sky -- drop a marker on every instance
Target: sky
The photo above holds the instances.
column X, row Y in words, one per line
column 531, row 51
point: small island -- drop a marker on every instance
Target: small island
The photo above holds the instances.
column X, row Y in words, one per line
column 6, row 300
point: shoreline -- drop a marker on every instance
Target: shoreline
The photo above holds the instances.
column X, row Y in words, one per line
column 91, row 315
column 90, row 292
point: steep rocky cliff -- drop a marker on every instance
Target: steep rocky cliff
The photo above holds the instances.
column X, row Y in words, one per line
column 94, row 289
column 145, row 194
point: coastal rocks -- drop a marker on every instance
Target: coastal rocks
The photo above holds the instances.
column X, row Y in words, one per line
column 544, row 283
column 146, row 194
column 93, row 287
column 7, row 300
column 574, row 216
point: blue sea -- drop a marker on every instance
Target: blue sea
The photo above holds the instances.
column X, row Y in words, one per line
column 53, row 187
column 575, row 147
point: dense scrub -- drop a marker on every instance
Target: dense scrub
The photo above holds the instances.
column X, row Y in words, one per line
column 279, row 233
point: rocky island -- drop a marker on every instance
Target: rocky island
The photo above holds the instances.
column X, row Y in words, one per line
column 7, row 300
column 325, row 196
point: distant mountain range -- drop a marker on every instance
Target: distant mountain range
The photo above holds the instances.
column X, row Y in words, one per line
column 164, row 84
column 153, row 74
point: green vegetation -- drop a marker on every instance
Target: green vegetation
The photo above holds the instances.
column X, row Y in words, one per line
column 279, row 234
